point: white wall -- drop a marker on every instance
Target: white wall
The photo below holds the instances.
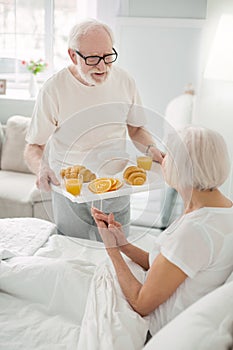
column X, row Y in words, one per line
column 160, row 51
column 214, row 100
column 159, row 44
column 162, row 54
column 180, row 55
column 11, row 106
column 167, row 8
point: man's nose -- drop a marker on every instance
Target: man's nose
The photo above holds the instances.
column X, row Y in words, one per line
column 101, row 64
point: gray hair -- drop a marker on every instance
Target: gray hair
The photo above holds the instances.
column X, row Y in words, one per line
column 198, row 158
column 82, row 28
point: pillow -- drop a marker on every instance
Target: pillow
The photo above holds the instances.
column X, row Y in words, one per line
column 14, row 144
column 230, row 278
column 205, row 325
column 1, row 141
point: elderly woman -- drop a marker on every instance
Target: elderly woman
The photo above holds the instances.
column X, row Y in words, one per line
column 194, row 255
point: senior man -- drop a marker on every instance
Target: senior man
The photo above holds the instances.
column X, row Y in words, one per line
column 91, row 81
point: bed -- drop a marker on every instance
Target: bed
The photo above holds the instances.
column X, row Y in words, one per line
column 59, row 292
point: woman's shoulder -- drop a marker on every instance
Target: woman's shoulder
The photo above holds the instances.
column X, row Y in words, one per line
column 210, row 216
column 205, row 222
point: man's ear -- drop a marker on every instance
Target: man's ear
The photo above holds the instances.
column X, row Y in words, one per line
column 73, row 56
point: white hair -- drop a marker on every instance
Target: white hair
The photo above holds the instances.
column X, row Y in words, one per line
column 82, row 28
column 198, row 158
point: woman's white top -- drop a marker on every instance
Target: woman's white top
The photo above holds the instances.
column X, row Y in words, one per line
column 200, row 243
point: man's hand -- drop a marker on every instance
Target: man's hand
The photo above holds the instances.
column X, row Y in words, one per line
column 33, row 155
column 156, row 154
column 142, row 138
column 45, row 178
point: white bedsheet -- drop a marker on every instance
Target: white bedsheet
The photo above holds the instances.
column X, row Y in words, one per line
column 66, row 296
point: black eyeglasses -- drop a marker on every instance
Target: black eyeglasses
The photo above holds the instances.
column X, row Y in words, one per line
column 94, row 60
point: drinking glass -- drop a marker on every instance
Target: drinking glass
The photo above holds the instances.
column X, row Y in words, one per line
column 74, row 185
column 144, row 162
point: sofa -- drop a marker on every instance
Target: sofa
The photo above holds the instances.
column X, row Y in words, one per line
column 19, row 196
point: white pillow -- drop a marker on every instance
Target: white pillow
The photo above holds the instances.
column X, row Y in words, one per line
column 1, row 141
column 205, row 325
column 230, row 278
column 14, row 144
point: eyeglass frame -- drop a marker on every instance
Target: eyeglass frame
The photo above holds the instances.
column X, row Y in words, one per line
column 99, row 57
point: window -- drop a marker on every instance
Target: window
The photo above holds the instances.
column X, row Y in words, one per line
column 34, row 30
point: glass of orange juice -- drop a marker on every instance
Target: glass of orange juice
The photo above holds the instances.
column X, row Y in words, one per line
column 144, row 162
column 74, row 185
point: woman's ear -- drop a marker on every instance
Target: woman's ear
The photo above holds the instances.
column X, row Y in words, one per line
column 73, row 56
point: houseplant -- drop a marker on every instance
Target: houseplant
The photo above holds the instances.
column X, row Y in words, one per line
column 34, row 67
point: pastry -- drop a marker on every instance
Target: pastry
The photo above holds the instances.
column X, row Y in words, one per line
column 87, row 174
column 134, row 175
column 130, row 170
column 73, row 171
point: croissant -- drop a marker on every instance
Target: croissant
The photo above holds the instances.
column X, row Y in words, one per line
column 77, row 168
column 73, row 171
column 134, row 175
column 87, row 175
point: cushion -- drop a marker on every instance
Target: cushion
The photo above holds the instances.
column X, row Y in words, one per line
column 14, row 144
column 230, row 278
column 1, row 141
column 205, row 325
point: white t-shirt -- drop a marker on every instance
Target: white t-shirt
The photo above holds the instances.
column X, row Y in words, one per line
column 200, row 244
column 82, row 119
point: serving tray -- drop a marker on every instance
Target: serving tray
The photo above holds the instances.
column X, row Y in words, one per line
column 154, row 181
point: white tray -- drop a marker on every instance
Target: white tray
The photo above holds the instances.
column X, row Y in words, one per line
column 154, row 181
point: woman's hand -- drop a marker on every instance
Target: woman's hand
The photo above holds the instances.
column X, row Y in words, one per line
column 113, row 226
column 116, row 228
column 107, row 236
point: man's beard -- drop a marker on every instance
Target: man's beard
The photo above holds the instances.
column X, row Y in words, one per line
column 87, row 77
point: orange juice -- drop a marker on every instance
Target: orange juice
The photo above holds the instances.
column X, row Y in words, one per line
column 144, row 162
column 73, row 186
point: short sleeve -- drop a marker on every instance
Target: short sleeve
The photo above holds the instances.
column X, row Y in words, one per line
column 189, row 248
column 44, row 119
column 136, row 115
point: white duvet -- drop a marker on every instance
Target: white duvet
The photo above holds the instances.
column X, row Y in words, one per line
column 66, row 296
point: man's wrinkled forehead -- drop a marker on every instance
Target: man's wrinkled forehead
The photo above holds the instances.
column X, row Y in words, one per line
column 95, row 40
